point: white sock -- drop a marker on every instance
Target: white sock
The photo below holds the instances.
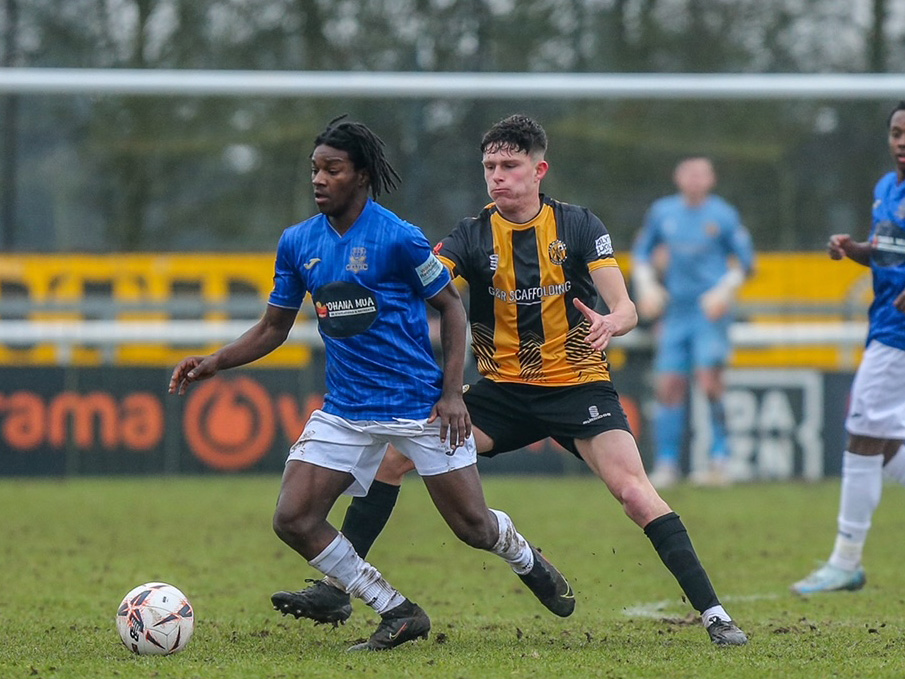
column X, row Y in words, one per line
column 340, row 563
column 862, row 485
column 511, row 546
column 895, row 468
column 717, row 611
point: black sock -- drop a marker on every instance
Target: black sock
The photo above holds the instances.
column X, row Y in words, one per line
column 670, row 539
column 366, row 516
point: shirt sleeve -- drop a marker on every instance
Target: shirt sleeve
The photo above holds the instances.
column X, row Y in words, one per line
column 450, row 250
column 647, row 239
column 598, row 251
column 289, row 285
column 739, row 241
column 420, row 266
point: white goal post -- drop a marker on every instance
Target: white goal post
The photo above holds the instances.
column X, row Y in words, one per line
column 452, row 85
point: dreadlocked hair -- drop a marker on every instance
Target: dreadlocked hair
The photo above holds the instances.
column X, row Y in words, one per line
column 365, row 149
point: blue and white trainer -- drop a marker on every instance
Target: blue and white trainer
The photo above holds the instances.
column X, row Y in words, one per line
column 829, row 578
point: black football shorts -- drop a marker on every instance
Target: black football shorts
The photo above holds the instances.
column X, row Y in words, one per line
column 517, row 415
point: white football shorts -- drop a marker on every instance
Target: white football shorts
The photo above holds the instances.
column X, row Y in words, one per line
column 877, row 405
column 358, row 447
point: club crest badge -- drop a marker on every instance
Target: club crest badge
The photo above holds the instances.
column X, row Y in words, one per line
column 557, row 252
column 357, row 260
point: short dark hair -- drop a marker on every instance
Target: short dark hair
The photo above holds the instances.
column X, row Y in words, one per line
column 899, row 107
column 365, row 149
column 516, row 133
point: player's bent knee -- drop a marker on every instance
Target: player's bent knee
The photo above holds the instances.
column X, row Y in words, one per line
column 282, row 526
column 292, row 526
column 477, row 532
column 640, row 502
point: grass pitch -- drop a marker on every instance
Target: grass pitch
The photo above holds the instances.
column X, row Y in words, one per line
column 71, row 549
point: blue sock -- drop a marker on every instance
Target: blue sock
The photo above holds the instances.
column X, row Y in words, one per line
column 719, row 449
column 669, row 433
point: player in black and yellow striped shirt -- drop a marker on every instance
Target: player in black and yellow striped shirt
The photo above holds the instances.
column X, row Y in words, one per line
column 535, row 268
column 524, row 278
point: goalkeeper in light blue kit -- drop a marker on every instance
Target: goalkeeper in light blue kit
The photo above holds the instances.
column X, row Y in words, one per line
column 876, row 416
column 688, row 261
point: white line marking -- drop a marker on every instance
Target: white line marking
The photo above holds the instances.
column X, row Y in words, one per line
column 667, row 608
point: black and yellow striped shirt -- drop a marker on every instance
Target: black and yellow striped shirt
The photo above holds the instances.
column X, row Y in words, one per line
column 522, row 280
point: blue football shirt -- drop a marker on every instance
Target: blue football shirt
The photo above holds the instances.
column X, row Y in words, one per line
column 368, row 287
column 700, row 240
column 887, row 262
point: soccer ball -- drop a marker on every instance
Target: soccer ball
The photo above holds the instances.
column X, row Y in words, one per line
column 155, row 619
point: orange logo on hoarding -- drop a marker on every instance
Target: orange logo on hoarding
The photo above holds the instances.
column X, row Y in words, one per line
column 229, row 424
column 136, row 422
column 26, row 420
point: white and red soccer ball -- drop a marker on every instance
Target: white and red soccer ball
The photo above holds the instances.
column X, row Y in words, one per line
column 155, row 619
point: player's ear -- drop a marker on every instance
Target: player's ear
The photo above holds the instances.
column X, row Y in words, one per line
column 540, row 170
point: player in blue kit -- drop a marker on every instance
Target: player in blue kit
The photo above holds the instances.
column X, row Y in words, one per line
column 368, row 273
column 708, row 254
column 876, row 416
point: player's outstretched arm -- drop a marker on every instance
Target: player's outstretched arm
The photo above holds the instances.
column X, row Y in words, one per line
column 259, row 340
column 841, row 246
column 454, row 419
